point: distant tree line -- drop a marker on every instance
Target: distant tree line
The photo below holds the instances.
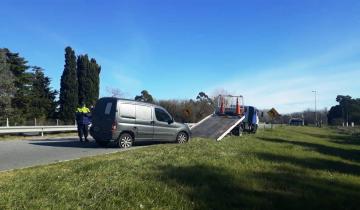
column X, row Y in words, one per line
column 189, row 111
column 26, row 94
column 307, row 115
column 347, row 111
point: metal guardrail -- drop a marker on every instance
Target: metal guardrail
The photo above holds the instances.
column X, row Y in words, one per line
column 269, row 126
column 36, row 129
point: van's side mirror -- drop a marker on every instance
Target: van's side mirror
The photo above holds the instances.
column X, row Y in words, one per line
column 170, row 121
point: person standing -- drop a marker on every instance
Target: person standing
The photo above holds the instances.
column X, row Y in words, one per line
column 83, row 121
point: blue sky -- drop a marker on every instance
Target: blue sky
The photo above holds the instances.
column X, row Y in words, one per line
column 274, row 53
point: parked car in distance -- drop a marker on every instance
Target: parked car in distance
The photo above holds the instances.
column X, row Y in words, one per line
column 296, row 121
column 126, row 121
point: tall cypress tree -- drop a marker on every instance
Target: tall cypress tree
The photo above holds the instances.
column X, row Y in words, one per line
column 88, row 77
column 84, row 88
column 95, row 81
column 68, row 87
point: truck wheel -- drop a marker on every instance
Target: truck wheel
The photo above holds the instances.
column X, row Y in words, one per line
column 125, row 140
column 235, row 131
column 255, row 128
column 182, row 137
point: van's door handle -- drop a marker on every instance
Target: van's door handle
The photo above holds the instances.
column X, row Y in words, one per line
column 152, row 122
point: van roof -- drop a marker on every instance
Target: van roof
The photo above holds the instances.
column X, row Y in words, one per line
column 130, row 100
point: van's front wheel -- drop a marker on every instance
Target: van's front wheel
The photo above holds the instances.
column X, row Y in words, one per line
column 125, row 140
column 182, row 137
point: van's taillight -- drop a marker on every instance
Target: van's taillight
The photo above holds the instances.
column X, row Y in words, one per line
column 113, row 127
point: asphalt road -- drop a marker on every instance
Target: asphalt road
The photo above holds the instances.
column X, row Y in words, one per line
column 16, row 154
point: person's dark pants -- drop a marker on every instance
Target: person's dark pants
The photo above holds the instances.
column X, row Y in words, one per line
column 83, row 130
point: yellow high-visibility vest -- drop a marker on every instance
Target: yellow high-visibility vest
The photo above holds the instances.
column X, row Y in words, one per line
column 83, row 110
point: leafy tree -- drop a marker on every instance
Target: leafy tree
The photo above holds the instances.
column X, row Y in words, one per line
column 344, row 102
column 348, row 110
column 68, row 87
column 335, row 115
column 42, row 104
column 205, row 105
column 203, row 97
column 145, row 96
column 115, row 92
column 22, row 83
column 7, row 88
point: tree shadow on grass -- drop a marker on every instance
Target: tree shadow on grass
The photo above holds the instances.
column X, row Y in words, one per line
column 216, row 188
column 341, row 138
column 313, row 163
column 348, row 154
column 311, row 192
column 351, row 140
column 210, row 187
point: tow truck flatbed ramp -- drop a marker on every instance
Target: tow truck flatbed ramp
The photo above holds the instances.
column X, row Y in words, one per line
column 215, row 127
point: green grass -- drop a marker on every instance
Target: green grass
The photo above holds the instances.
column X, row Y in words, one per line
column 284, row 168
column 354, row 131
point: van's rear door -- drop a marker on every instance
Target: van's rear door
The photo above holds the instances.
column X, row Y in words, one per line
column 103, row 118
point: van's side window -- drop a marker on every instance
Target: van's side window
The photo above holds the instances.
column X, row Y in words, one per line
column 161, row 115
column 108, row 108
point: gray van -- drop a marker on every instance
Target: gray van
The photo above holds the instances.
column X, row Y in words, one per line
column 127, row 121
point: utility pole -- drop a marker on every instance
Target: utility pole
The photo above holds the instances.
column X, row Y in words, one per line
column 314, row 91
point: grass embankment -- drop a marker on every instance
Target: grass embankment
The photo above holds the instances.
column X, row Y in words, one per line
column 37, row 137
column 285, row 168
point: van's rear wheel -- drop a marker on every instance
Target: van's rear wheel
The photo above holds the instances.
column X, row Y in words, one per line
column 182, row 137
column 125, row 140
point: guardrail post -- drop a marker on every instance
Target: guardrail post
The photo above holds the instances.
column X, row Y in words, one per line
column 7, row 122
column 57, row 122
column 35, row 121
column 42, row 132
